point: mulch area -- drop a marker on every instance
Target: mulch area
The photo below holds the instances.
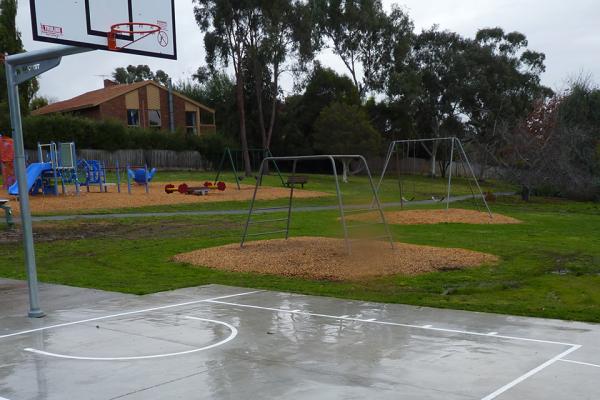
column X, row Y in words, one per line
column 431, row 217
column 157, row 197
column 321, row 258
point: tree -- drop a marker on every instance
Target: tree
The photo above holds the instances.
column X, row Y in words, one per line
column 39, row 102
column 139, row 73
column 300, row 112
column 226, row 25
column 345, row 129
column 503, row 85
column 554, row 149
column 10, row 43
column 363, row 36
column 279, row 32
column 215, row 89
column 438, row 58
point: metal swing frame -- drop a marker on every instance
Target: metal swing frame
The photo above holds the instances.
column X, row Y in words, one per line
column 228, row 157
column 456, row 147
column 342, row 211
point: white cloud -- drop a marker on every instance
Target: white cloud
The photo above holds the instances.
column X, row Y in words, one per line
column 565, row 31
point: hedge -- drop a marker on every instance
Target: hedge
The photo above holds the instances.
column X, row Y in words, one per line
column 111, row 135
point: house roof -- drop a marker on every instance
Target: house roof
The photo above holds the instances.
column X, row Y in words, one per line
column 97, row 97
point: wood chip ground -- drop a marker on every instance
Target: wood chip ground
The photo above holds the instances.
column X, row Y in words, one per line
column 326, row 259
column 430, row 217
column 157, row 197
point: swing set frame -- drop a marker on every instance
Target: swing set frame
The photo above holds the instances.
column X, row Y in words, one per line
column 228, row 158
column 456, row 148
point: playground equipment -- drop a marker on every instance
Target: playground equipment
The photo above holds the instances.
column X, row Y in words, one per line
column 57, row 163
column 406, row 155
column 141, row 176
column 343, row 212
column 94, row 172
column 235, row 159
column 7, row 161
column 196, row 190
column 7, row 212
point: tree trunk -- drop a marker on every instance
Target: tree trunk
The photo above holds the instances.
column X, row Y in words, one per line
column 258, row 91
column 346, row 169
column 239, row 89
column 525, row 193
column 433, row 172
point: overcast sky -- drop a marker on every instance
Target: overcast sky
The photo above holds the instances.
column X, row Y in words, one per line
column 568, row 32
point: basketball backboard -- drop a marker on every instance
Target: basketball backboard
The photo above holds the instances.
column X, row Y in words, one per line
column 87, row 23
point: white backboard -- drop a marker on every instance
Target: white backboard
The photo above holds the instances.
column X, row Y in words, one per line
column 86, row 23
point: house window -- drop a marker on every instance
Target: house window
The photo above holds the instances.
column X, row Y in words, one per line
column 207, row 118
column 154, row 119
column 191, row 127
column 133, row 118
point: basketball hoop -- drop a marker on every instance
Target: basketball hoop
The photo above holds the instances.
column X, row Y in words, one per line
column 131, row 29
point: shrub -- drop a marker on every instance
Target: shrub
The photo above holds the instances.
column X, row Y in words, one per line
column 112, row 135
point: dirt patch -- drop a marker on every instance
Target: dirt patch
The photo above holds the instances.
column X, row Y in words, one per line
column 155, row 229
column 157, row 197
column 326, row 259
column 431, row 217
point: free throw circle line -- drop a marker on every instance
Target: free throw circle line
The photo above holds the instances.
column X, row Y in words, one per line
column 231, row 336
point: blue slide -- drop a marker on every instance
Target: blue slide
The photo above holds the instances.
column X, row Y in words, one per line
column 34, row 171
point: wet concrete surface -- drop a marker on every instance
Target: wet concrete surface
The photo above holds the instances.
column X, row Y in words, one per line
column 218, row 342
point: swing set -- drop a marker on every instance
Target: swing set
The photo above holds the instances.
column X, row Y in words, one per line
column 235, row 159
column 406, row 155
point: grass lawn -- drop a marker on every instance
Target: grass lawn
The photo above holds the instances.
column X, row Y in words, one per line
column 357, row 191
column 550, row 264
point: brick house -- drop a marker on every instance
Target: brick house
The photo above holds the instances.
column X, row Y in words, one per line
column 141, row 104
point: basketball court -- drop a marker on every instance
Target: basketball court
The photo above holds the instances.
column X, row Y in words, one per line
column 218, row 342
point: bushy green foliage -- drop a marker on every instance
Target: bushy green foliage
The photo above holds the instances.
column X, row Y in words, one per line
column 111, row 135
column 296, row 129
column 345, row 129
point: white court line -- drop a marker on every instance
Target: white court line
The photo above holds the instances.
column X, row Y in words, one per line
column 573, row 347
column 3, row 398
column 424, row 327
column 231, row 336
column 531, row 373
column 128, row 313
column 580, row 363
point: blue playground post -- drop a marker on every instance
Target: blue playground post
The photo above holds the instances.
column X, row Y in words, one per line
column 128, row 180
column 118, row 177
column 75, row 163
column 54, row 163
column 103, row 177
column 146, row 177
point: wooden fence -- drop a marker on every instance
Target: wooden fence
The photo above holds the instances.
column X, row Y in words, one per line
column 193, row 160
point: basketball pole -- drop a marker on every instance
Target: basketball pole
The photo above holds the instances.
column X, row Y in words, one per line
column 21, row 68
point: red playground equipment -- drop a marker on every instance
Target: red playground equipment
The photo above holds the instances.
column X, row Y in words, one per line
column 7, row 161
column 184, row 188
